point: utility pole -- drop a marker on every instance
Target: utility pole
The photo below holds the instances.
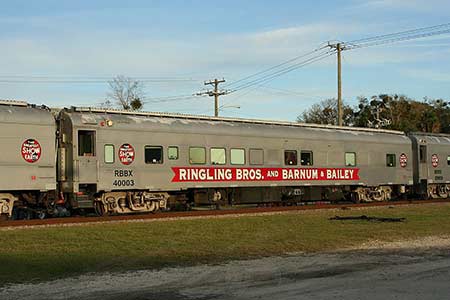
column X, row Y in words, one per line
column 214, row 93
column 339, row 70
column 339, row 47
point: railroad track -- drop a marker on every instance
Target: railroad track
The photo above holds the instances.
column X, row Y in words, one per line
column 204, row 213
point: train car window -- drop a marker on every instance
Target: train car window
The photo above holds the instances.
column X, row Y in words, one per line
column 448, row 160
column 109, row 154
column 153, row 154
column 256, row 156
column 273, row 157
column 350, row 159
column 197, row 155
column 172, row 152
column 390, row 160
column 290, row 157
column 306, row 158
column 86, row 143
column 218, row 156
column 237, row 156
column 423, row 154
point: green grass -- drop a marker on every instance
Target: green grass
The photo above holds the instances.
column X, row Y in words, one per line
column 48, row 253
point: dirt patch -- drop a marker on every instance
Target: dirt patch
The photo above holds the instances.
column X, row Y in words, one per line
column 430, row 242
column 388, row 266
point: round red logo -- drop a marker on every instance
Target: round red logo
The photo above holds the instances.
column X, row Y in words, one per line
column 403, row 160
column 434, row 160
column 126, row 154
column 31, row 150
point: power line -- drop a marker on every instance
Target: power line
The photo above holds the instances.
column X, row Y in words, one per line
column 402, row 39
column 94, row 77
column 272, row 89
column 40, row 81
column 244, row 94
column 279, row 72
column 392, row 35
column 283, row 71
column 398, row 37
column 294, row 93
column 276, row 66
column 171, row 99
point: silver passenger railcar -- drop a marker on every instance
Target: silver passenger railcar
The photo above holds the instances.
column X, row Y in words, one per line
column 431, row 164
column 123, row 162
column 28, row 158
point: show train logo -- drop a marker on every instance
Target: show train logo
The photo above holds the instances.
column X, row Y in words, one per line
column 126, row 154
column 205, row 174
column 434, row 160
column 31, row 150
column 403, row 160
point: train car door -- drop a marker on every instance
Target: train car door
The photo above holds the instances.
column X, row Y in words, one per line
column 87, row 163
column 423, row 167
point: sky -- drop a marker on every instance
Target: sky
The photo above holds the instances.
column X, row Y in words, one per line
column 195, row 41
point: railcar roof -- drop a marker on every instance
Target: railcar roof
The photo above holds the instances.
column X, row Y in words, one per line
column 20, row 112
column 429, row 134
column 432, row 138
column 228, row 119
column 13, row 102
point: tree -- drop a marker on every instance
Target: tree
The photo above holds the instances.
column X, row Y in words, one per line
column 396, row 112
column 399, row 112
column 107, row 104
column 375, row 113
column 442, row 111
column 126, row 93
column 325, row 112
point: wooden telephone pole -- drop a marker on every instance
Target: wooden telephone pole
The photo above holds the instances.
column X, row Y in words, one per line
column 339, row 47
column 214, row 93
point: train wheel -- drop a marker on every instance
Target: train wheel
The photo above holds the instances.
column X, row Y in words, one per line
column 15, row 214
column 354, row 196
column 383, row 196
column 41, row 215
column 99, row 208
column 156, row 207
column 152, row 207
column 25, row 214
column 442, row 191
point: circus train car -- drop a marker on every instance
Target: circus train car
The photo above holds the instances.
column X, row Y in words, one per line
column 122, row 162
column 431, row 164
column 27, row 160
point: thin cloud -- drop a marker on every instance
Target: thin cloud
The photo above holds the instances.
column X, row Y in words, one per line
column 414, row 5
column 426, row 74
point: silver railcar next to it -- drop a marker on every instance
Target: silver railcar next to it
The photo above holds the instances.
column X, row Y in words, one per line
column 27, row 160
column 431, row 164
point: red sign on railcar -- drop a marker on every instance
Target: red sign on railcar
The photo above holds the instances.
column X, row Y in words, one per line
column 205, row 174
column 126, row 154
column 434, row 160
column 31, row 150
column 403, row 160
